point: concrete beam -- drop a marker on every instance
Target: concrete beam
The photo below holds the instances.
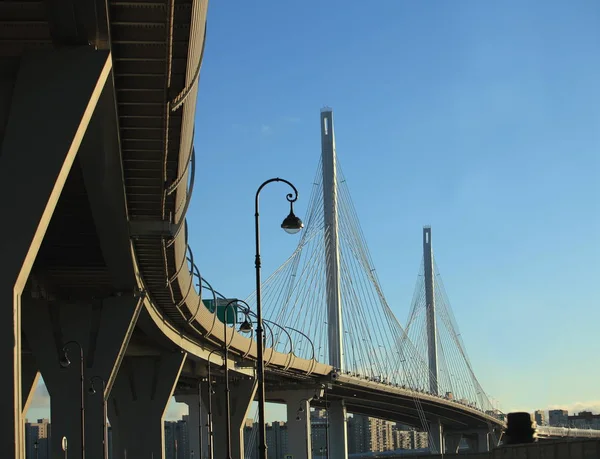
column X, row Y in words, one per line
column 53, row 100
column 452, row 442
column 242, row 392
column 298, row 423
column 102, row 170
column 103, row 329
column 338, row 430
column 138, row 403
column 436, row 437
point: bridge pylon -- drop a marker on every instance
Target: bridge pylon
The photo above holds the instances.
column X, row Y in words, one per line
column 335, row 329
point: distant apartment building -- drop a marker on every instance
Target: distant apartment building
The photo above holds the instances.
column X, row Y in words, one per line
column 365, row 434
column 540, row 417
column 277, row 440
column 409, row 438
column 558, row 418
column 177, row 445
column 585, row 420
column 358, row 436
column 250, row 439
column 319, row 431
column 37, row 439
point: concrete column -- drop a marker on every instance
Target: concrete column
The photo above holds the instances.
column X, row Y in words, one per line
column 452, row 442
column 197, row 420
column 478, row 441
column 242, row 392
column 338, row 430
column 436, row 437
column 103, row 329
column 138, row 402
column 298, row 423
column 483, row 437
column 54, row 96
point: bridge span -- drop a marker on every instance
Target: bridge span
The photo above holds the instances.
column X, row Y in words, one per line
column 97, row 168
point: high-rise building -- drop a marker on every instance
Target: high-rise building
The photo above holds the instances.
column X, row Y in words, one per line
column 558, row 418
column 319, row 431
column 177, row 444
column 540, row 417
column 250, row 439
column 366, row 434
column 585, row 420
column 277, row 440
column 358, row 441
column 37, row 437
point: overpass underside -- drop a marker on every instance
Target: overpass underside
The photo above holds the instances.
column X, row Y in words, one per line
column 97, row 104
column 86, row 97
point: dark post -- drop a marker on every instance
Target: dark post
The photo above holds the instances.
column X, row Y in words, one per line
column 210, row 394
column 92, row 391
column 291, row 224
column 226, row 364
column 65, row 362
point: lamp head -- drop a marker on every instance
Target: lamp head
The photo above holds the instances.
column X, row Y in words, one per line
column 298, row 418
column 301, row 410
column 292, row 224
column 92, row 390
column 246, row 326
column 64, row 360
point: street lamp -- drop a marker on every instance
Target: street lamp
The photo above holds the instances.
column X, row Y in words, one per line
column 226, row 360
column 209, row 417
column 291, row 224
column 65, row 363
column 92, row 391
column 35, row 447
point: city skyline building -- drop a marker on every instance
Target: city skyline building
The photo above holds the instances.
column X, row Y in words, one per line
column 540, row 417
column 37, row 436
column 585, row 420
column 558, row 418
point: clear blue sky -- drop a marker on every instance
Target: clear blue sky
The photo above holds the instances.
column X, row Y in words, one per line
column 481, row 119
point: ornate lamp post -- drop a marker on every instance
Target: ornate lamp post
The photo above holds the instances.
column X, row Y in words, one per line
column 65, row 363
column 292, row 225
column 210, row 394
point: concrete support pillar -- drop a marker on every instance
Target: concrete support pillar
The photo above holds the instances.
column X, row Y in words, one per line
column 483, row 444
column 242, row 393
column 138, row 402
column 436, row 438
column 197, row 421
column 338, row 430
column 37, row 152
column 452, row 442
column 103, row 329
column 298, row 423
column 478, row 441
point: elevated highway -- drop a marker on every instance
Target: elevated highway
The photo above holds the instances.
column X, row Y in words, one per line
column 97, row 125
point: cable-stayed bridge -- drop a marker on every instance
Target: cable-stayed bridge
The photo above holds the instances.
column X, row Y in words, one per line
column 328, row 290
column 97, row 165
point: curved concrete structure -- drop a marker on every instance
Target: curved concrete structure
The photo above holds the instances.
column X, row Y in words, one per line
column 104, row 171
